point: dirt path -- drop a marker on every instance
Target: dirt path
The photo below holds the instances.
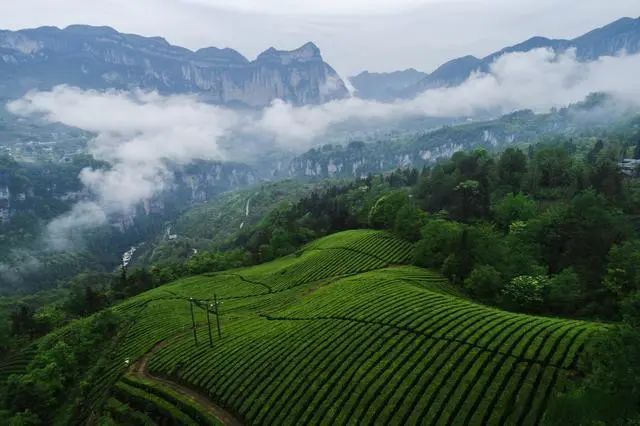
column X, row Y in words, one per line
column 139, row 368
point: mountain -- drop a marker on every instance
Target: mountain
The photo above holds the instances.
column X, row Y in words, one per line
column 621, row 35
column 100, row 57
column 384, row 86
column 358, row 159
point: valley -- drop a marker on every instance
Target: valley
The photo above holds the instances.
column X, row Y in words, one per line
column 191, row 235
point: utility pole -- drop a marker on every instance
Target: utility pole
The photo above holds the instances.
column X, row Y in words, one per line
column 215, row 301
column 207, row 307
column 193, row 321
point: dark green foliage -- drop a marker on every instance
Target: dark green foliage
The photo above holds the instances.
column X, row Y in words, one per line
column 512, row 208
column 384, row 211
column 484, row 282
column 408, row 222
column 512, row 167
column 565, row 292
column 59, row 363
column 611, row 392
column 439, row 239
column 623, row 270
column 550, row 171
column 631, row 310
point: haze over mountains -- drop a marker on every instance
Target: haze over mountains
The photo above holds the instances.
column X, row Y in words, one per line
column 621, row 36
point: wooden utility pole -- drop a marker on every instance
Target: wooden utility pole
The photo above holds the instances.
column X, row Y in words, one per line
column 215, row 301
column 193, row 321
column 207, row 307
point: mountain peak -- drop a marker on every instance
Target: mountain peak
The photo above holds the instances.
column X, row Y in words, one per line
column 225, row 55
column 620, row 26
column 307, row 52
column 90, row 30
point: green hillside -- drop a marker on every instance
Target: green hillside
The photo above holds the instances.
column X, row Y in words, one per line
column 338, row 333
column 216, row 222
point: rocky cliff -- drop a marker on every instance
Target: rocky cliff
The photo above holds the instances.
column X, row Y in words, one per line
column 100, row 58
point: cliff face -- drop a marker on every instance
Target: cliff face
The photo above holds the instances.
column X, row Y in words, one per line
column 22, row 189
column 100, row 58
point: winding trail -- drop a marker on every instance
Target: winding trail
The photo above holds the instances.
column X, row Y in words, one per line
column 139, row 369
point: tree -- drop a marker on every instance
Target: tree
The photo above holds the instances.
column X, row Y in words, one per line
column 525, row 292
column 46, row 378
column 593, row 154
column 458, row 265
column 512, row 167
column 384, row 211
column 514, row 207
column 409, row 221
column 565, row 292
column 550, row 168
column 435, row 190
column 623, row 269
column 23, row 321
column 469, row 200
column 605, row 176
column 580, row 235
column 631, row 310
column 438, row 241
column 484, row 282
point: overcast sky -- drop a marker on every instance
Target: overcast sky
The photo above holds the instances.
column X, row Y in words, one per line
column 354, row 35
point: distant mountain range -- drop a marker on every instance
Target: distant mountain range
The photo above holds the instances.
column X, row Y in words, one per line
column 384, row 86
column 100, row 57
column 621, row 35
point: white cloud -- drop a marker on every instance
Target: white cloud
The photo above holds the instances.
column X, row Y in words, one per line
column 140, row 133
column 537, row 80
column 68, row 229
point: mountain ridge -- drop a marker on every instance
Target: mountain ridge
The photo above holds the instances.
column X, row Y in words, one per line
column 101, row 57
column 621, row 35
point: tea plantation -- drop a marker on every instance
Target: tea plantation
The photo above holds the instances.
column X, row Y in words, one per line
column 339, row 333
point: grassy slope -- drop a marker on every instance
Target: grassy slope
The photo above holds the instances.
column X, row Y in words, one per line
column 339, row 333
column 211, row 224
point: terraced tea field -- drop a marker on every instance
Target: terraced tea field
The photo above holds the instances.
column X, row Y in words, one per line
column 339, row 333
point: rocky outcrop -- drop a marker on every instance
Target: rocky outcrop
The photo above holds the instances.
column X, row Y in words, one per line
column 101, row 58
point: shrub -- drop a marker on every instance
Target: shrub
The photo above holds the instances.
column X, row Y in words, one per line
column 526, row 292
column 564, row 292
column 484, row 282
column 439, row 238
